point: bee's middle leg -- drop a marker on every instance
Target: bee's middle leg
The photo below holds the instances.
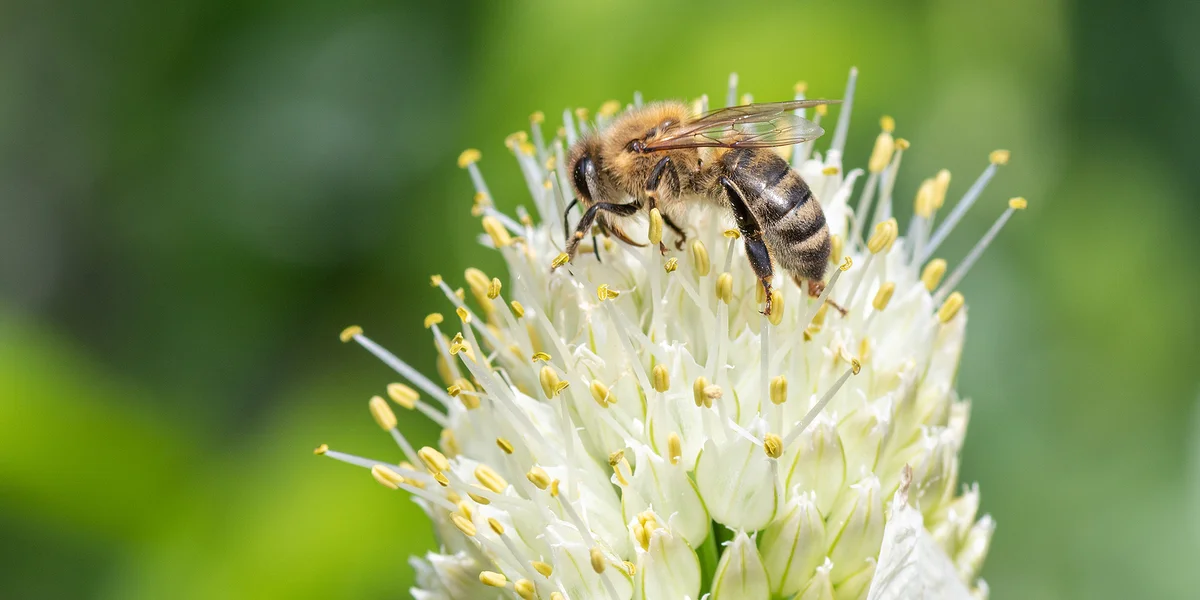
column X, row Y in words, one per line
column 589, row 217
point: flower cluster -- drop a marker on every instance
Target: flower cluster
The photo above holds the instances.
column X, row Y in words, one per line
column 628, row 425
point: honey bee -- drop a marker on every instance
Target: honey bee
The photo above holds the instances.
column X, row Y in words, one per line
column 663, row 156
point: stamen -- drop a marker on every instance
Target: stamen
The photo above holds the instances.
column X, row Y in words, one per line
column 601, row 394
column 725, row 287
column 525, row 589
column 843, row 125
column 773, row 445
column 493, row 579
column 543, row 568
column 674, row 448
column 731, row 95
column 435, row 461
column 656, row 226
column 661, row 378
column 505, row 445
column 997, row 158
column 828, row 288
column 932, row 274
column 700, row 258
column 403, row 369
column 350, row 333
column 881, row 240
column 671, row 264
column 1014, row 205
column 779, row 389
column 950, row 307
column 799, row 427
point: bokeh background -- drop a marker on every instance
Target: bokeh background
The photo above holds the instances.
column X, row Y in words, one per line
column 195, row 196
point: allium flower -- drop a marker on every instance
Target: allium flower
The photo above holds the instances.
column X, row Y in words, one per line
column 630, row 426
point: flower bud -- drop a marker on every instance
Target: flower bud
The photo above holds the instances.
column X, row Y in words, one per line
column 794, row 545
column 670, row 491
column 855, row 528
column 819, row 464
column 819, row 587
column 668, row 566
column 740, row 573
column 737, row 483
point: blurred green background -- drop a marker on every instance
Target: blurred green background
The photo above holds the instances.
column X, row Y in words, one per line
column 195, row 196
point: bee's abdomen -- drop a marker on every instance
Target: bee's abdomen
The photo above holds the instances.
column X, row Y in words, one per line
column 791, row 219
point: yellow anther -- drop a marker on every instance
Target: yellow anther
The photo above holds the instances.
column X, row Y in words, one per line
column 505, row 445
column 469, row 401
column 598, row 560
column 926, row 201
column 881, row 154
column 382, row 413
column 700, row 258
column 459, row 294
column 999, row 157
column 562, row 385
column 349, row 333
column 515, row 139
column 950, row 307
column 847, row 262
column 883, row 237
column 855, row 366
column 322, row 449
column 630, row 568
column 493, row 579
column 660, row 378
column 478, row 281
column 615, row 458
column 821, row 109
column 494, row 286
column 496, row 230
column 549, row 380
column 609, row 108
column 606, row 293
column 528, row 149
column 746, row 99
column 468, row 156
column 449, row 442
column 554, row 488
column 800, row 87
column 830, row 170
column 517, row 308
column 525, row 589
column 441, row 479
column 481, row 199
column 435, row 280
column 479, row 499
column 543, row 568
column 464, row 385
column 725, row 287
column 656, row 226
column 887, row 123
column 582, row 114
column 560, row 260
column 433, row 319
column 932, row 274
column 884, row 295
column 776, row 315
column 778, row 389
column 601, row 394
column 463, row 524
column 819, row 319
column 537, row 117
column 698, row 390
column 674, row 448
column 760, row 294
column 403, row 395
column 490, row 479
column 537, row 476
column 941, row 183
column 435, row 461
column 903, row 144
column 496, row 526
column 387, row 477
column 732, row 234
column 463, row 314
column 835, row 248
column 1017, row 203
column 773, row 445
column 541, row 357
column 557, row 596
column 671, row 264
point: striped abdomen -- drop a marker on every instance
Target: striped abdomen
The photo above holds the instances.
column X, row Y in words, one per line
column 791, row 220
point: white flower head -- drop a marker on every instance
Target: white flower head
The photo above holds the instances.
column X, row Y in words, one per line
column 629, row 425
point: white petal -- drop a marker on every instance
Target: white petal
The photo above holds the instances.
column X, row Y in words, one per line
column 668, row 569
column 911, row 565
column 737, row 484
column 855, row 529
column 794, row 545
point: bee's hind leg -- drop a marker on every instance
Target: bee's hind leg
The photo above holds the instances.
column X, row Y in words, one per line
column 681, row 236
column 756, row 248
column 814, row 288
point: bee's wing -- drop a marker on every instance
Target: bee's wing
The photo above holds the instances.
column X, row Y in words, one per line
column 747, row 126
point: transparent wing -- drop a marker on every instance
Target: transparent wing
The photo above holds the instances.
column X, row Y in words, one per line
column 747, row 126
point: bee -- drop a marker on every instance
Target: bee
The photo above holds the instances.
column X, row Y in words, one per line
column 663, row 156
